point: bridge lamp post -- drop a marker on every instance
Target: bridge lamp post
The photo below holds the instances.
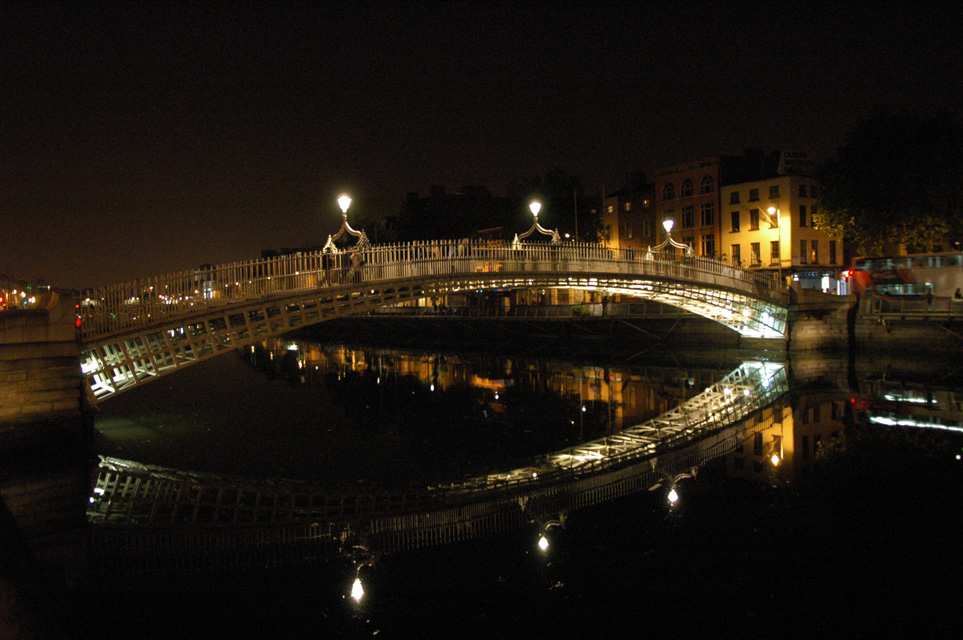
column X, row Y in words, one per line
column 667, row 224
column 535, row 207
column 363, row 243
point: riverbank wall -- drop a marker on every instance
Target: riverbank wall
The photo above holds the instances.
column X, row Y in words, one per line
column 45, row 454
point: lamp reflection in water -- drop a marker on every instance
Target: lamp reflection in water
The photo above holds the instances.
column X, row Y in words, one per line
column 543, row 543
column 362, row 558
column 673, row 482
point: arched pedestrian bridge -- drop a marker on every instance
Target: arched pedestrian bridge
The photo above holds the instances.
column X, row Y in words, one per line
column 137, row 331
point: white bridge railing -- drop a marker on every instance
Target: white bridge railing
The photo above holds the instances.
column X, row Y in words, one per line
column 115, row 309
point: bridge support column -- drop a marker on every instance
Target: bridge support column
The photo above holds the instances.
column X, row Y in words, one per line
column 45, row 450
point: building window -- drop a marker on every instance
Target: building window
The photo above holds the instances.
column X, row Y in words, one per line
column 668, row 191
column 832, row 252
column 814, row 252
column 754, row 219
column 706, row 185
column 686, row 190
column 628, row 206
column 734, row 197
column 609, row 209
column 708, row 214
column 688, row 217
column 645, row 203
column 756, row 257
column 627, row 232
column 647, row 228
column 736, row 254
column 709, row 245
column 735, row 221
column 803, row 251
column 812, row 192
column 774, row 252
column 753, row 195
column 802, row 215
column 802, row 191
column 774, row 191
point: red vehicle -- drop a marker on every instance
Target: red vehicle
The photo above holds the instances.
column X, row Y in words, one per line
column 909, row 276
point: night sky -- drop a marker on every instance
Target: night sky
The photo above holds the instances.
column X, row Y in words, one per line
column 137, row 140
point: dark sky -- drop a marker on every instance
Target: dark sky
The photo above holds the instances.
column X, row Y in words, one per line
column 147, row 138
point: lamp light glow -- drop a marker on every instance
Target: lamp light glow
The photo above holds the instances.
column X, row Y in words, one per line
column 357, row 591
column 536, row 206
column 667, row 224
column 344, row 202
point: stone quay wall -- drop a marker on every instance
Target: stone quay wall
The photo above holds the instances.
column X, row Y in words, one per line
column 44, row 445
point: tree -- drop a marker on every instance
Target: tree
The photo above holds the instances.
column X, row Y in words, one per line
column 897, row 180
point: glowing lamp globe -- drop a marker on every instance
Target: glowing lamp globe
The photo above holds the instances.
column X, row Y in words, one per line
column 344, row 202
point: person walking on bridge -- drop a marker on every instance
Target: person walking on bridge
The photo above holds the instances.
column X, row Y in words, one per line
column 356, row 263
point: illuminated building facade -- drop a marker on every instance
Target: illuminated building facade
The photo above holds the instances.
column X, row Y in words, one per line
column 767, row 225
column 688, row 194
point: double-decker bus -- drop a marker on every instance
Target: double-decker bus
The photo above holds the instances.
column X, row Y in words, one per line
column 909, row 276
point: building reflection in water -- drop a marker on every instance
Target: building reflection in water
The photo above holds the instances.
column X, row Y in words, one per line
column 787, row 451
column 605, row 398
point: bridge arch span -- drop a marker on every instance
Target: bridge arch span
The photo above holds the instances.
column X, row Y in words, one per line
column 135, row 332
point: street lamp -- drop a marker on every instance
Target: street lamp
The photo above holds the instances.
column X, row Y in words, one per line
column 667, row 224
column 344, row 202
column 535, row 207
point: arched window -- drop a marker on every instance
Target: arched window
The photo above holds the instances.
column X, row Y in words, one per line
column 668, row 191
column 707, row 184
column 686, row 190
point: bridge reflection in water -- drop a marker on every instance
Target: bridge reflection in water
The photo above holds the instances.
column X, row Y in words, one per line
column 151, row 520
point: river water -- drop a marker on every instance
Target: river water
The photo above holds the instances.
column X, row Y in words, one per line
column 852, row 530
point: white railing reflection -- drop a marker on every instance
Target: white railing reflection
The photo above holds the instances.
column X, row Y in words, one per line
column 142, row 303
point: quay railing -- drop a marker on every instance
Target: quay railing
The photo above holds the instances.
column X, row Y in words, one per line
column 138, row 304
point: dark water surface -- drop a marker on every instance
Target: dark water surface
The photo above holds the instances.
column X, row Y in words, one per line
column 856, row 534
